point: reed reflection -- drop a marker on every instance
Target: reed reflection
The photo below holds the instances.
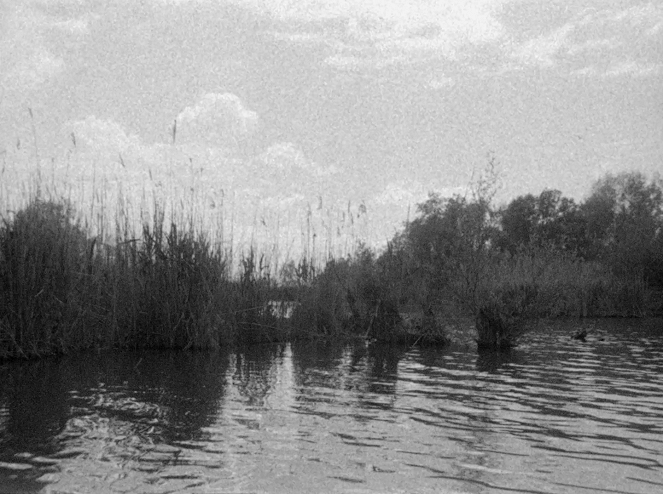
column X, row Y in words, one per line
column 113, row 406
column 254, row 372
column 27, row 424
column 493, row 361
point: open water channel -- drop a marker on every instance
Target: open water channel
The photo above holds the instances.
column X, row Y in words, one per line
column 554, row 415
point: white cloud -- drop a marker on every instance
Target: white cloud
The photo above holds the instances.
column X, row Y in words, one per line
column 543, row 49
column 362, row 62
column 634, row 16
column 634, row 69
column 594, row 35
column 284, row 156
column 401, row 193
column 410, row 192
column 104, row 140
column 33, row 71
column 655, row 29
column 395, row 30
column 76, row 26
column 442, row 82
column 27, row 53
column 587, row 71
column 621, row 69
column 638, row 14
column 217, row 120
column 593, row 45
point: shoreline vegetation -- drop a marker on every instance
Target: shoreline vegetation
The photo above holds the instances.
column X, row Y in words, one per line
column 460, row 263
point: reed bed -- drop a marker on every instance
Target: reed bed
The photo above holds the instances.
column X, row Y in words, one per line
column 564, row 285
column 104, row 266
column 357, row 297
column 169, row 288
column 517, row 290
column 101, row 264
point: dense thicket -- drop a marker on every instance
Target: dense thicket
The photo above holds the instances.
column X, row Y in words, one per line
column 460, row 257
column 620, row 225
column 168, row 287
column 538, row 256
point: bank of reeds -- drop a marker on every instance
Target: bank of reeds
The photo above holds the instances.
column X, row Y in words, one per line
column 567, row 286
column 168, row 287
column 516, row 290
column 358, row 297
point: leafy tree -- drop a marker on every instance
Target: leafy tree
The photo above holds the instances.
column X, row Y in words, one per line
column 624, row 216
column 519, row 221
column 549, row 220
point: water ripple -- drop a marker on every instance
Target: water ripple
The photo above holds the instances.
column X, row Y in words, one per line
column 552, row 416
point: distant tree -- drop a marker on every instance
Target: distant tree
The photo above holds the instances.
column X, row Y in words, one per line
column 624, row 216
column 519, row 220
column 549, row 220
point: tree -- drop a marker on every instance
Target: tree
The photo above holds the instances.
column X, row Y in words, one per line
column 548, row 221
column 624, row 216
column 519, row 220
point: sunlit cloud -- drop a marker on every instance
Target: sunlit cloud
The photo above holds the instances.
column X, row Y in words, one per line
column 638, row 15
column 655, row 30
column 593, row 45
column 217, row 120
column 645, row 15
column 284, row 156
column 634, row 69
column 28, row 55
column 441, row 83
column 356, row 63
column 621, row 69
column 544, row 49
column 38, row 68
column 76, row 26
column 99, row 134
column 401, row 193
column 406, row 193
column 389, row 29
column 101, row 147
column 593, row 35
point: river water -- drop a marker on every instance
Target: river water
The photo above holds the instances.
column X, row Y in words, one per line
column 554, row 415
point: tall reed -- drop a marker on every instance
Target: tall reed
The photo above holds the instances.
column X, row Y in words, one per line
column 47, row 280
column 515, row 290
column 167, row 288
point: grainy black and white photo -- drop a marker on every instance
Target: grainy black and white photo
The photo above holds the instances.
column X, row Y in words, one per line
column 331, row 246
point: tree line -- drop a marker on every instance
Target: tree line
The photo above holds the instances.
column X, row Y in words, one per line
column 537, row 256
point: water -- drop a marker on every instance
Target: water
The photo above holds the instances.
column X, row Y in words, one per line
column 553, row 416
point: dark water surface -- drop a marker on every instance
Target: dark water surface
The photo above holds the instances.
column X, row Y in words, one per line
column 554, row 415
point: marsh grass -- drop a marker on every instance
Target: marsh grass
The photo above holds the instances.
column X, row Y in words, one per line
column 46, row 273
column 162, row 280
column 357, row 297
column 517, row 290
column 168, row 287
column 119, row 256
column 567, row 286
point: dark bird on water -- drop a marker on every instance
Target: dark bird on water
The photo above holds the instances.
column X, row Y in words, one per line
column 580, row 335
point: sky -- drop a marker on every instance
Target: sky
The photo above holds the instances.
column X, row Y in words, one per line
column 280, row 114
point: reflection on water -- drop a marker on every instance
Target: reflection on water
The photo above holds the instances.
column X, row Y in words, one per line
column 553, row 415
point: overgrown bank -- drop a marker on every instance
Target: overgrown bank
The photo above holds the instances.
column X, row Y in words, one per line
column 169, row 287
